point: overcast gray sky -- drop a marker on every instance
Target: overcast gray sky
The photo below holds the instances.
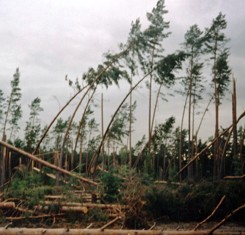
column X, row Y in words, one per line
column 48, row 39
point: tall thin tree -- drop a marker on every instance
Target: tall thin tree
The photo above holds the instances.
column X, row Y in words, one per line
column 193, row 46
column 13, row 111
column 154, row 36
column 216, row 47
column 33, row 125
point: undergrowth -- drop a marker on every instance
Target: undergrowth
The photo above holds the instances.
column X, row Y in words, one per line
column 194, row 202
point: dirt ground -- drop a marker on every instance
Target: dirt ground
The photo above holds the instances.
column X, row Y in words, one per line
column 229, row 226
column 238, row 226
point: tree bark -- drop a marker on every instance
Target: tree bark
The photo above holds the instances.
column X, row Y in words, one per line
column 234, row 114
column 67, row 231
column 47, row 164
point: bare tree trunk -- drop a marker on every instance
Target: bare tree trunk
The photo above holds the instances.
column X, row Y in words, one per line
column 216, row 132
column 2, row 162
column 241, row 146
column 130, row 128
column 190, row 168
column 152, row 122
column 96, row 154
column 80, row 157
column 102, row 131
column 203, row 115
column 234, row 117
column 81, row 123
column 149, row 114
column 180, row 135
column 149, row 123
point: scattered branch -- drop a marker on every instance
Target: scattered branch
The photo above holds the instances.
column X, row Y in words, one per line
column 213, row 212
column 225, row 219
column 210, row 144
column 110, row 223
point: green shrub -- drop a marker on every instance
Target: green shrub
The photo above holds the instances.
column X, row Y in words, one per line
column 196, row 201
column 111, row 185
column 28, row 186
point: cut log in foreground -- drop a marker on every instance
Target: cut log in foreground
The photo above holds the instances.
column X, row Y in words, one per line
column 57, row 231
column 88, row 205
column 45, row 163
column 7, row 205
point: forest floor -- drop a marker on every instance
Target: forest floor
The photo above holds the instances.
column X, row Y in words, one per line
column 229, row 226
column 177, row 226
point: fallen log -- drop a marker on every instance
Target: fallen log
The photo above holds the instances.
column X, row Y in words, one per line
column 166, row 182
column 24, row 210
column 235, row 177
column 7, row 205
column 47, row 164
column 86, row 197
column 67, row 231
column 88, row 205
column 12, row 205
column 82, row 209
column 17, row 218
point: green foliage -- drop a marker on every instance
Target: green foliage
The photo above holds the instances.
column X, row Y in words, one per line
column 28, row 186
column 111, row 185
column 163, row 135
column 2, row 99
column 167, row 66
column 154, row 36
column 215, row 46
column 58, row 131
column 118, row 128
column 223, row 73
column 104, row 76
column 194, row 49
column 96, row 214
column 33, row 126
column 195, row 202
column 13, row 112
